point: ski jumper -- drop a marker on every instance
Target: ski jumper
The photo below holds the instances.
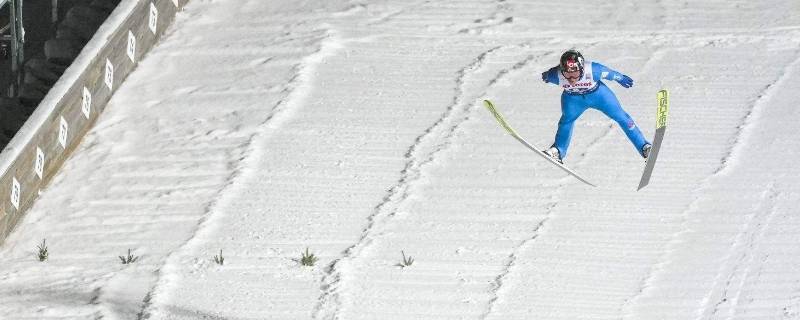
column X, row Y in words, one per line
column 590, row 92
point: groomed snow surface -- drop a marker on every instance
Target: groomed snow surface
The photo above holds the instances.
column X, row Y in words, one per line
column 355, row 129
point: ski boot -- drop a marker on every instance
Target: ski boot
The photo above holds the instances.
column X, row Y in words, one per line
column 646, row 151
column 553, row 153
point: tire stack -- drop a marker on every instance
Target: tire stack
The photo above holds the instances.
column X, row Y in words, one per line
column 76, row 28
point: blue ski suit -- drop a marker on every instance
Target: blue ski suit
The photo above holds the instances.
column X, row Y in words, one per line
column 590, row 92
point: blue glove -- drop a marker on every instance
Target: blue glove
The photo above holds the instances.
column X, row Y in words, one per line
column 544, row 76
column 625, row 81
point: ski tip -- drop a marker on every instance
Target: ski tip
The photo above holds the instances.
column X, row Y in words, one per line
column 488, row 103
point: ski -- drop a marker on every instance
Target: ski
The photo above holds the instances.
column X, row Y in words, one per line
column 661, row 128
column 514, row 134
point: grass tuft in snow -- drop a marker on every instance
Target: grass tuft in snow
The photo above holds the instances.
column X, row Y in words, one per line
column 43, row 254
column 308, row 259
column 220, row 260
column 129, row 259
column 407, row 261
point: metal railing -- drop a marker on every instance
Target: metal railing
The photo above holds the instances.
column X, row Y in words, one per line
column 15, row 40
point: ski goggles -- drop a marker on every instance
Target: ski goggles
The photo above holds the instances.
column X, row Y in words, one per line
column 575, row 77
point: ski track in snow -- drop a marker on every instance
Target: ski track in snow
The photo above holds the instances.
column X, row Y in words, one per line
column 426, row 147
column 724, row 290
column 743, row 258
column 497, row 284
column 753, row 116
column 746, row 240
column 497, row 18
column 295, row 92
column 386, row 17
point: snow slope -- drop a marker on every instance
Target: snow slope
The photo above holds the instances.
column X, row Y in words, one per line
column 355, row 129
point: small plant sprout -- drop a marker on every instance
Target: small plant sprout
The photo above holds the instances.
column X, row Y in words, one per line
column 43, row 254
column 308, row 259
column 407, row 261
column 129, row 259
column 220, row 260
